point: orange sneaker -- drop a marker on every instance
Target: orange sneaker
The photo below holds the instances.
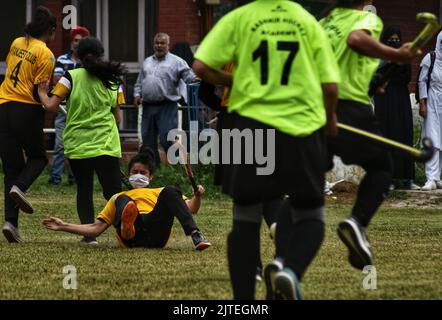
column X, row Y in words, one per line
column 130, row 214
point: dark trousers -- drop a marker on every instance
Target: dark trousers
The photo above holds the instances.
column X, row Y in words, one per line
column 107, row 169
column 21, row 129
column 158, row 119
column 356, row 150
column 153, row 230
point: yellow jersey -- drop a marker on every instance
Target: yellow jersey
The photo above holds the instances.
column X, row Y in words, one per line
column 28, row 62
column 144, row 198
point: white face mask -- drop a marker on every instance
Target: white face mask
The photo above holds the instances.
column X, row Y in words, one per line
column 139, row 181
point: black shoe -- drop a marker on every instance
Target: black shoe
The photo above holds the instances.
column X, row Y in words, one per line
column 20, row 198
column 199, row 241
column 287, row 286
column 353, row 236
column 269, row 277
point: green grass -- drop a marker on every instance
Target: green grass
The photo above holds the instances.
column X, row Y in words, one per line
column 406, row 244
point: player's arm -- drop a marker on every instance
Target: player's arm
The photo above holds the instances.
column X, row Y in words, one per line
column 87, row 230
column 363, row 43
column 330, row 94
column 59, row 94
column 211, row 75
column 194, row 204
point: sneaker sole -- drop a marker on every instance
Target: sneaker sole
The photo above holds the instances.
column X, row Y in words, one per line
column 284, row 288
column 202, row 246
column 10, row 236
column 24, row 205
column 269, row 275
column 359, row 254
column 130, row 214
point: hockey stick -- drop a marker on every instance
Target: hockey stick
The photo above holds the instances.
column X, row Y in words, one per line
column 421, row 155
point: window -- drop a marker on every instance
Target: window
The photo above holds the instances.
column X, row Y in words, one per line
column 87, row 15
column 12, row 23
column 123, row 30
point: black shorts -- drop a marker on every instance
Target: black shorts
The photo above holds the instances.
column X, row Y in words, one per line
column 299, row 164
column 354, row 149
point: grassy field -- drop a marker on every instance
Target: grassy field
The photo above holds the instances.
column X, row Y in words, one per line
column 406, row 243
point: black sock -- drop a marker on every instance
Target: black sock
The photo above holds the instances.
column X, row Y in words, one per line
column 305, row 240
column 372, row 192
column 243, row 255
column 13, row 221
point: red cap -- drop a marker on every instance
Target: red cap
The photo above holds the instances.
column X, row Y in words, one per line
column 84, row 32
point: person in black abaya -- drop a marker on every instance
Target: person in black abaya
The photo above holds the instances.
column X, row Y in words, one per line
column 393, row 110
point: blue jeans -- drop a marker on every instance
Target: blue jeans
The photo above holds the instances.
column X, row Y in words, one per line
column 58, row 158
column 158, row 119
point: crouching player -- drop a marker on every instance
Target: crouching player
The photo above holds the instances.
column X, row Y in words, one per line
column 142, row 217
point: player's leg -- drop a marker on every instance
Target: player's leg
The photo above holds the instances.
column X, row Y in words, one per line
column 27, row 123
column 243, row 249
column 373, row 188
column 299, row 243
column 171, row 204
column 12, row 164
column 108, row 173
column 84, row 173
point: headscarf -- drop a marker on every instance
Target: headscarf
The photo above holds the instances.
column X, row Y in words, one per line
column 388, row 32
column 84, row 32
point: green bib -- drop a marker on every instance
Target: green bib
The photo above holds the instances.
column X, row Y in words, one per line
column 281, row 56
column 91, row 129
column 356, row 70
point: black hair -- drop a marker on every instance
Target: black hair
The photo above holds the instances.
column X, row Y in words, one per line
column 90, row 51
column 42, row 22
column 182, row 50
column 348, row 3
column 145, row 156
column 388, row 32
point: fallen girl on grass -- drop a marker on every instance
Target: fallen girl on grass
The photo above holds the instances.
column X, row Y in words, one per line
column 142, row 217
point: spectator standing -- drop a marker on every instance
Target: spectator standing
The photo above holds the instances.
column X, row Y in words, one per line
column 393, row 110
column 430, row 109
column 156, row 90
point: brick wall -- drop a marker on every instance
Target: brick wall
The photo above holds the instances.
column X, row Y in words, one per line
column 180, row 19
column 402, row 13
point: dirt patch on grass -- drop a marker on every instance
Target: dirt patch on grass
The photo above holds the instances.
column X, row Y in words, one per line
column 345, row 192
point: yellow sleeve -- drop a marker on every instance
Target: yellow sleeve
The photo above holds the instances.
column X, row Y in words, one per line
column 120, row 97
column 108, row 213
column 45, row 68
column 60, row 90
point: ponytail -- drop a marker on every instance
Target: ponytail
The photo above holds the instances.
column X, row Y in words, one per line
column 90, row 52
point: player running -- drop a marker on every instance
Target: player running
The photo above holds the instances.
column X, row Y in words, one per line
column 354, row 35
column 21, row 116
column 284, row 74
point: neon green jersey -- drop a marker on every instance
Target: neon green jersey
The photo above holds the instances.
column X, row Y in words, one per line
column 281, row 55
column 356, row 69
column 91, row 129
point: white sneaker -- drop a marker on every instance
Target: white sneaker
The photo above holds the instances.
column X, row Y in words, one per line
column 20, row 198
column 429, row 185
column 11, row 233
